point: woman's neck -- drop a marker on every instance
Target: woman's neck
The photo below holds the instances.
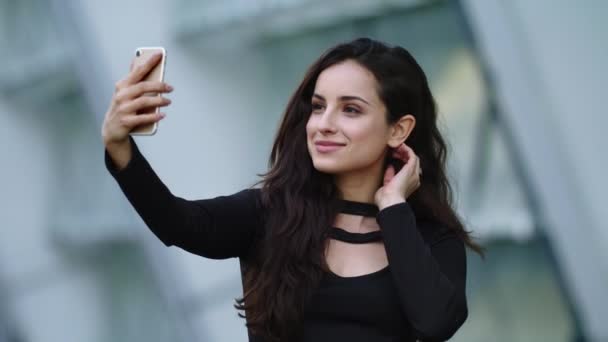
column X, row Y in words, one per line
column 360, row 185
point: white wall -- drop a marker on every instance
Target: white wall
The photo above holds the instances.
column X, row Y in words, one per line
column 547, row 61
column 46, row 294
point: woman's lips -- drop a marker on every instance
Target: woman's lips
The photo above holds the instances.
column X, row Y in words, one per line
column 326, row 148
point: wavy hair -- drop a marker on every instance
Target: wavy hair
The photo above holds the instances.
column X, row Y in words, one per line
column 300, row 203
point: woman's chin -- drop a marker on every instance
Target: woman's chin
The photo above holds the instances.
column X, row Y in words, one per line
column 325, row 167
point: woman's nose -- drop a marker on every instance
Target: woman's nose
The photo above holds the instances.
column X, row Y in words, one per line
column 326, row 121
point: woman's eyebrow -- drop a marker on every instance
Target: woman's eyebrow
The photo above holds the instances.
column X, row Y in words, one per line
column 347, row 98
column 343, row 98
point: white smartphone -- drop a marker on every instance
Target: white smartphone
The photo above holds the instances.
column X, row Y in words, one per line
column 142, row 54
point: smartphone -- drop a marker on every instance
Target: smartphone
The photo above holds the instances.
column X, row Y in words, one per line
column 142, row 54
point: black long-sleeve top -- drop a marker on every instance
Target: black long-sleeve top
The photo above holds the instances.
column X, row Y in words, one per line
column 420, row 295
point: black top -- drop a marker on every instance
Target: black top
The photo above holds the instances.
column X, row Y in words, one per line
column 420, row 295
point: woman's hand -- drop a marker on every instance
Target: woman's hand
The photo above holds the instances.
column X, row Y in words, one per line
column 397, row 187
column 128, row 98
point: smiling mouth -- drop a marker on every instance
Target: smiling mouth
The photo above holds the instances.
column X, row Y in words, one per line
column 327, row 148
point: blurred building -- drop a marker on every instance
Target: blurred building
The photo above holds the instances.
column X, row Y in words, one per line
column 520, row 87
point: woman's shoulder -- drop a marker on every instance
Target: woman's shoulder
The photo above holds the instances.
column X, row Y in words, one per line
column 249, row 197
column 254, row 195
column 248, row 194
column 245, row 195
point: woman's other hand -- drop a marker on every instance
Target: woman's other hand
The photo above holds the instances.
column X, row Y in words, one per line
column 397, row 187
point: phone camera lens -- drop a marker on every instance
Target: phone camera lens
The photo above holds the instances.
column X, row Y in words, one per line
column 137, row 53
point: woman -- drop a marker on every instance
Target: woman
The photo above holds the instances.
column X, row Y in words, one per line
column 347, row 238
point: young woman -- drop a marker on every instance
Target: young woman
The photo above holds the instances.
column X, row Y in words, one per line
column 351, row 235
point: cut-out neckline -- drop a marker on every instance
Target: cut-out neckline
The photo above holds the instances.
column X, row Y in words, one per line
column 361, row 209
column 370, row 275
column 346, row 236
column 358, row 208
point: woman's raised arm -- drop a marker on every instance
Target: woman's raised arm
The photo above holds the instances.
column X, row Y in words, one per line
column 216, row 228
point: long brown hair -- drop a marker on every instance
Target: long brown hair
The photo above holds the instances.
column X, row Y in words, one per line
column 300, row 203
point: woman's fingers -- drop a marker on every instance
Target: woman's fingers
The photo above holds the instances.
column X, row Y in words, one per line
column 144, row 102
column 132, row 121
column 131, row 95
column 403, row 152
column 417, row 171
column 409, row 157
column 398, row 152
column 142, row 70
column 141, row 88
column 389, row 174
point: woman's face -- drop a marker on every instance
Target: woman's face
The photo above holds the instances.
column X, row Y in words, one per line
column 347, row 111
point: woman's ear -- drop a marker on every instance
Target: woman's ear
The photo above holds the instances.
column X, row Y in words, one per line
column 400, row 130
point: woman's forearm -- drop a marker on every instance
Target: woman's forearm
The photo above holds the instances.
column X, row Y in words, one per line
column 120, row 153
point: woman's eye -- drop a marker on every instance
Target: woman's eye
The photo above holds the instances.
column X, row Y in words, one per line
column 316, row 107
column 352, row 110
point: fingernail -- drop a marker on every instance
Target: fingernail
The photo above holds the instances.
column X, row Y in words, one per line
column 169, row 88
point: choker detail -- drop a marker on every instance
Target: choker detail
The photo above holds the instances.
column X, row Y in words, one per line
column 358, row 208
